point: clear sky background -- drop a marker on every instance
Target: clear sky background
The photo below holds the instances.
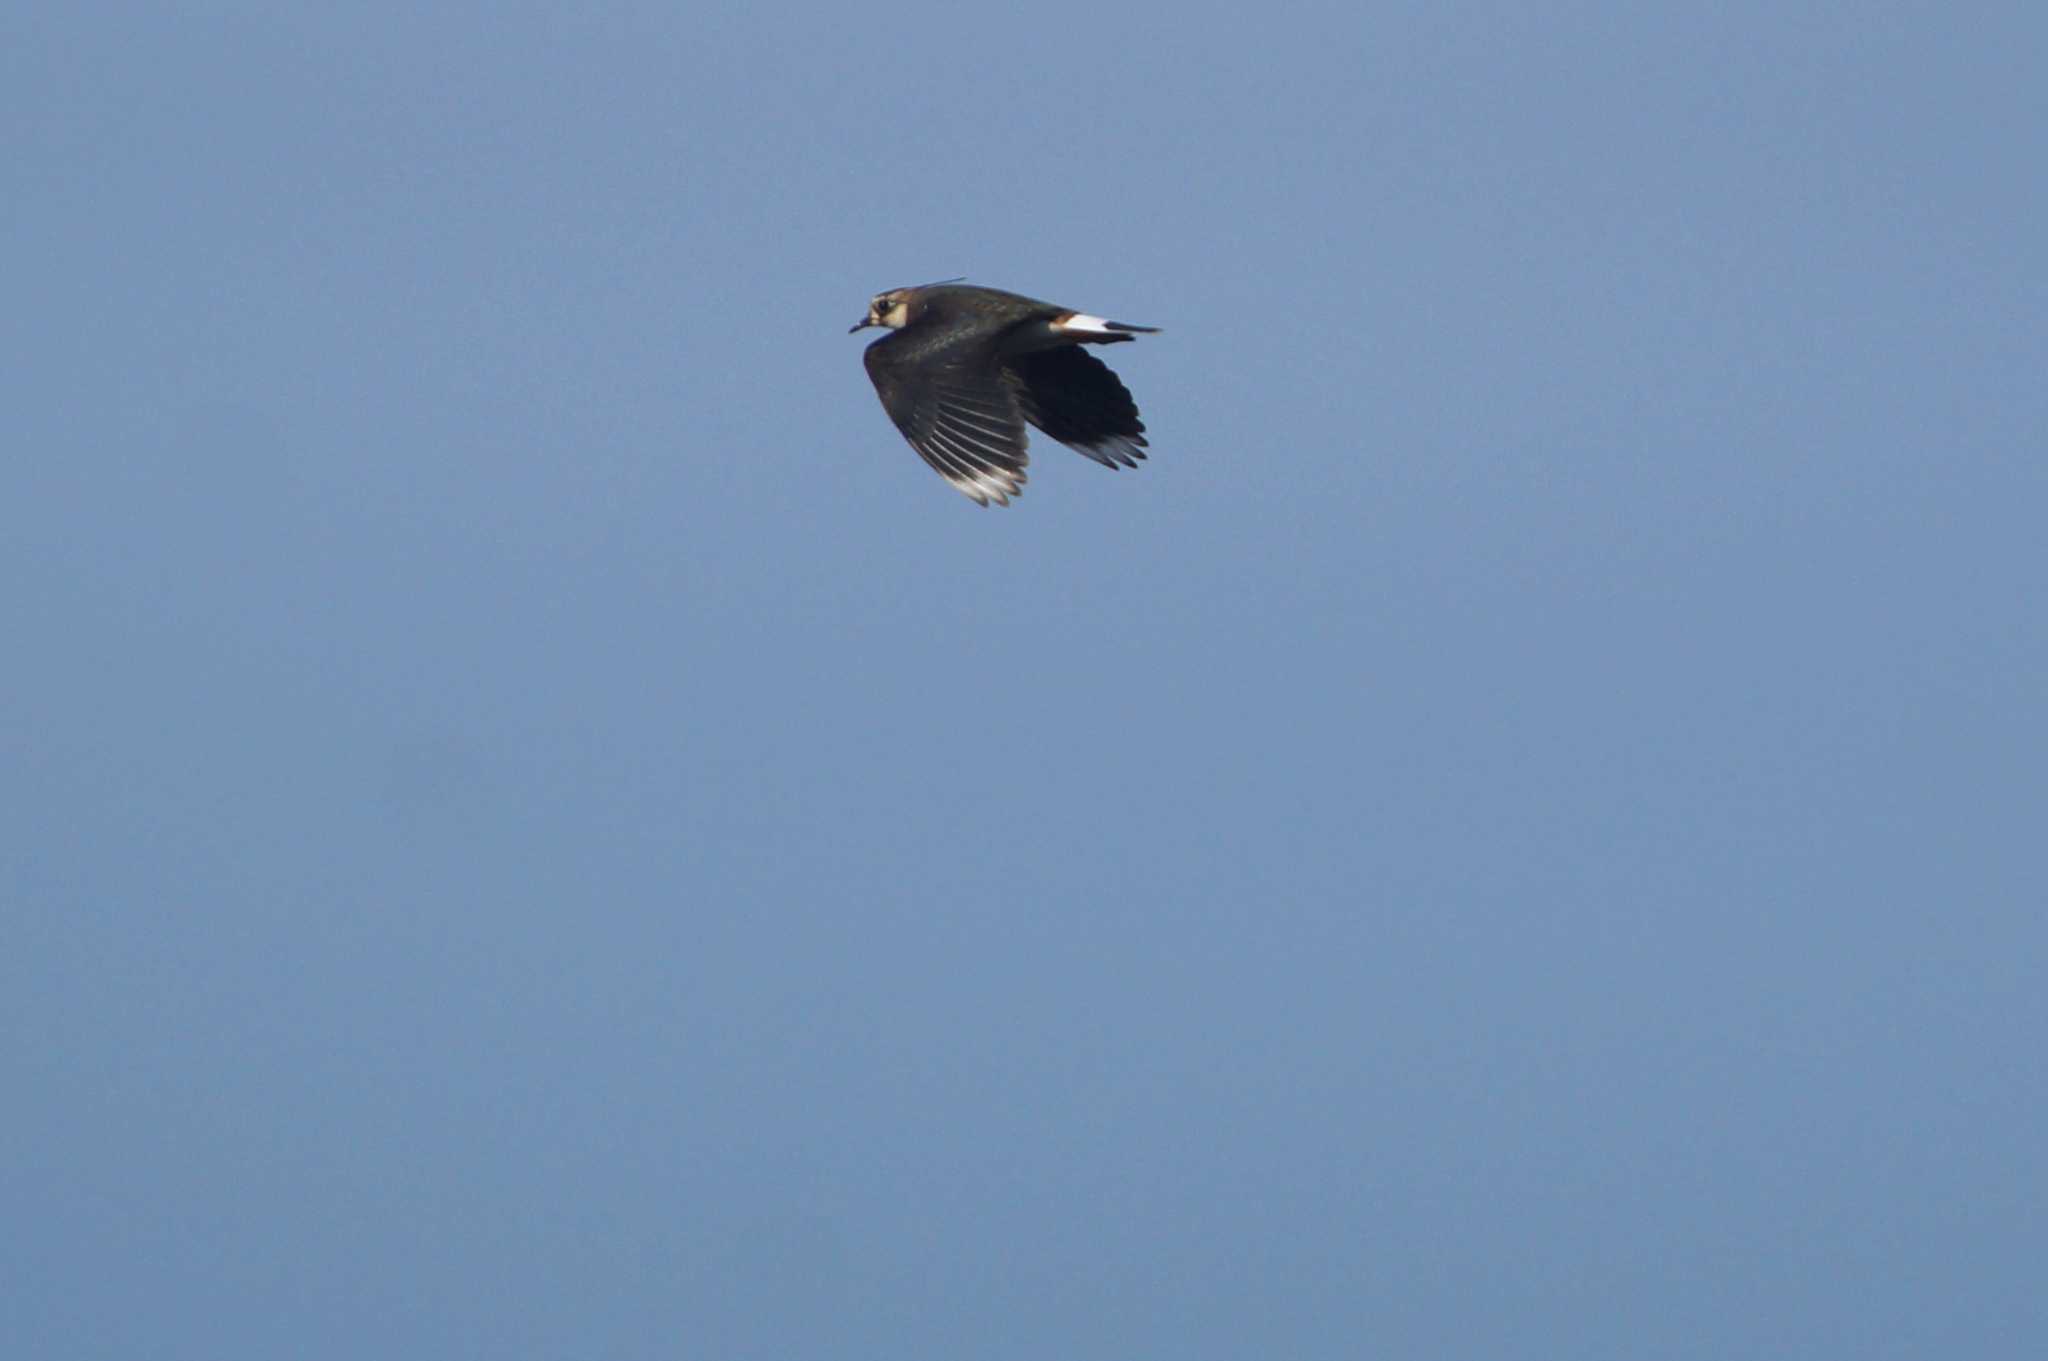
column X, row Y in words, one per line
column 532, row 825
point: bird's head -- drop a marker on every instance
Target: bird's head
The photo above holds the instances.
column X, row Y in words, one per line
column 891, row 309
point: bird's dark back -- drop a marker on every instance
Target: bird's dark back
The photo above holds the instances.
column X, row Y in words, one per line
column 965, row 304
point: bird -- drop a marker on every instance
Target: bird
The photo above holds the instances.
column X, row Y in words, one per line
column 964, row 369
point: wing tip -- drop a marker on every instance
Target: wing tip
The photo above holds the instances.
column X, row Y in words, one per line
column 987, row 492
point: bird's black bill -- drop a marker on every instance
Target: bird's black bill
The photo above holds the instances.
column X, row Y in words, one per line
column 860, row 325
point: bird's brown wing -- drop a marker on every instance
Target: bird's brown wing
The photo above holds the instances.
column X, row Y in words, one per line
column 1079, row 401
column 959, row 414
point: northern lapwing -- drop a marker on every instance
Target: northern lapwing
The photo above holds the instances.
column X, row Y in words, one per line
column 964, row 369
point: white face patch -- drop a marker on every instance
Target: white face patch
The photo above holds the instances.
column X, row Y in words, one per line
column 894, row 315
column 1081, row 321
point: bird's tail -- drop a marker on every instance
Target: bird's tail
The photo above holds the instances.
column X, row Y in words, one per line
column 1080, row 326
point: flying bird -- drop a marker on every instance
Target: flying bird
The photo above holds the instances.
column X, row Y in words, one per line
column 964, row 369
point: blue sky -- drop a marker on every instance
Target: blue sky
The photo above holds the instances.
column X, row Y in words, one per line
column 533, row 825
